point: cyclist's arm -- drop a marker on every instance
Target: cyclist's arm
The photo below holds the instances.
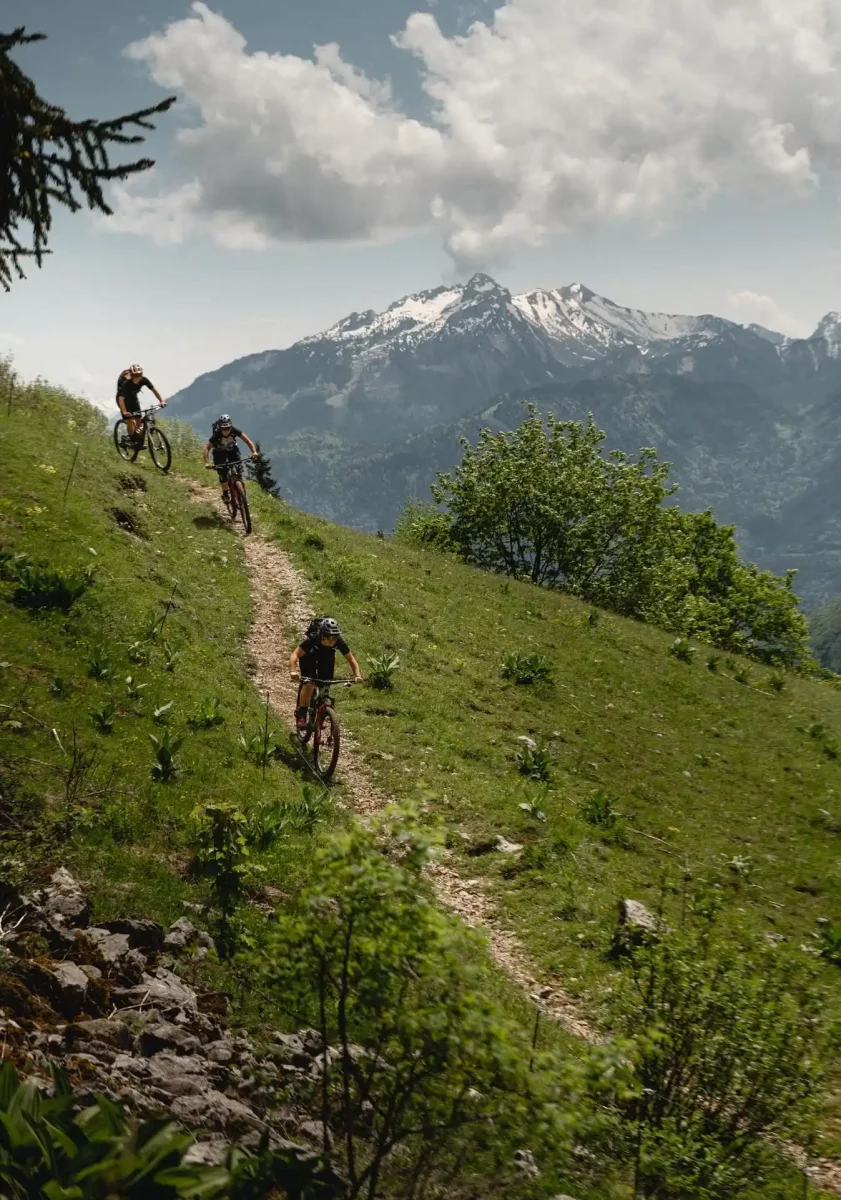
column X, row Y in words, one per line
column 354, row 665
column 207, row 452
column 295, row 657
column 148, row 383
column 248, row 443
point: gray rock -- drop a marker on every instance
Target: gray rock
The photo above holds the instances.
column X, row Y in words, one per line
column 111, row 947
column 181, row 934
column 71, row 988
column 63, row 902
column 132, row 967
column 524, row 1161
column 221, row 1052
column 142, row 935
column 636, row 926
column 216, row 1111
column 312, row 1041
column 178, row 1076
column 528, row 742
column 113, row 1033
column 160, row 988
column 164, row 1036
column 212, row 1152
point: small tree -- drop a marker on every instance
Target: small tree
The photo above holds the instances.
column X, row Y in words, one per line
column 729, row 1043
column 46, row 159
column 425, row 1080
column 261, row 469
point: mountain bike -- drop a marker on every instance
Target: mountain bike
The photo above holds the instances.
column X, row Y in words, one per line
column 323, row 725
column 129, row 445
column 231, row 473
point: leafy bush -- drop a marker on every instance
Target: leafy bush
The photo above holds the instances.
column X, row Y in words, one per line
column 222, row 843
column 260, row 746
column 535, row 762
column 381, row 669
column 341, row 574
column 166, row 747
column 11, row 564
column 52, row 1147
column 134, row 689
column 728, row 1043
column 103, row 718
column 207, row 714
column 99, row 664
column 422, row 524
column 428, row 1079
column 545, row 503
column 46, row 588
column 777, row 682
column 526, row 668
column 598, row 809
column 682, row 650
column 139, row 653
column 171, row 657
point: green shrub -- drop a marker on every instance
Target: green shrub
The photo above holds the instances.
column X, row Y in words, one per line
column 535, row 762
column 222, row 842
column 728, row 1044
column 103, row 718
column 46, row 588
column 526, row 668
column 381, row 670
column 682, row 650
column 429, row 1083
column 599, row 809
column 166, row 747
column 207, row 715
column 99, row 664
column 422, row 524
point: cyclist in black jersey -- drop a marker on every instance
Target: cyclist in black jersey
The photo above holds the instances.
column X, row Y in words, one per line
column 223, row 443
column 129, row 386
column 315, row 658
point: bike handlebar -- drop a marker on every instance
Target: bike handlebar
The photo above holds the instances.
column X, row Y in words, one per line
column 324, row 682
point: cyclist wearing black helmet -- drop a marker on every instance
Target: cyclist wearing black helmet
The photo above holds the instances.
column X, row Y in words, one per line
column 223, row 443
column 129, row 385
column 315, row 658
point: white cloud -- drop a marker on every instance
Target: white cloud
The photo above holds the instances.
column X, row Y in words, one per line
column 552, row 115
column 752, row 308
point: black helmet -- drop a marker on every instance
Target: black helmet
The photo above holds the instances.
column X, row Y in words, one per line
column 330, row 628
column 224, row 420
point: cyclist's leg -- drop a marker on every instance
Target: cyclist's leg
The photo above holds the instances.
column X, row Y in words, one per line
column 132, row 422
column 306, row 667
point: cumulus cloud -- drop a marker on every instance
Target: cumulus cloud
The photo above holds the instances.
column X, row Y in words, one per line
column 549, row 116
column 752, row 308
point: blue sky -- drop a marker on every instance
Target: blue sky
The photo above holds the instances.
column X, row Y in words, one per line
column 543, row 141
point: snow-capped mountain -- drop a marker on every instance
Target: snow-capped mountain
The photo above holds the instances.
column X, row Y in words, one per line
column 439, row 353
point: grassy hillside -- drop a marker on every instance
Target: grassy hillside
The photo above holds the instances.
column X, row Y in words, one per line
column 101, row 812
column 715, row 782
column 664, row 776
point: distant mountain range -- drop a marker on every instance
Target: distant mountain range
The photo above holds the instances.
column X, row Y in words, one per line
column 360, row 417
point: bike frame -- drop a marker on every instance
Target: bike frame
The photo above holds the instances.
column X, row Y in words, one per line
column 321, row 697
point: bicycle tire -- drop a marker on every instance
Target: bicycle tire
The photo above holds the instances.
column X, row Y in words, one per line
column 128, row 451
column 242, row 505
column 159, row 448
column 325, row 750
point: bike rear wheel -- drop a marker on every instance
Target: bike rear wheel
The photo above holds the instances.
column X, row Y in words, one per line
column 241, row 502
column 159, row 448
column 124, row 441
column 326, row 743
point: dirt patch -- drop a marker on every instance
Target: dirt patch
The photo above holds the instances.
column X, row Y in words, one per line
column 129, row 523
column 132, row 483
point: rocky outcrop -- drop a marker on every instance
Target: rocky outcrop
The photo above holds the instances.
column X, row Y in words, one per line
column 112, row 1005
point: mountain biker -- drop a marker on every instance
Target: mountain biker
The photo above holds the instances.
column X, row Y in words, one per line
column 223, row 443
column 129, row 386
column 316, row 659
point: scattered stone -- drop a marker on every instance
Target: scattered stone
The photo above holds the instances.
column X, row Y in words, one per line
column 72, row 985
column 64, row 902
column 110, row 947
column 528, row 742
column 162, row 989
column 636, row 926
column 181, row 933
column 142, row 935
column 774, row 938
column 524, row 1161
column 214, row 1110
column 507, row 847
column 114, row 1033
column 164, row 1036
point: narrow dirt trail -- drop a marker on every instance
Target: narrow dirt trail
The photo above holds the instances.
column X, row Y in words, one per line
column 280, row 599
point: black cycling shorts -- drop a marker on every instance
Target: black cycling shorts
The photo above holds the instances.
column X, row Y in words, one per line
column 221, row 456
column 309, row 666
column 132, row 403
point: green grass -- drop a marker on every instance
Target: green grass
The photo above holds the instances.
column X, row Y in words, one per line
column 124, row 833
column 716, row 783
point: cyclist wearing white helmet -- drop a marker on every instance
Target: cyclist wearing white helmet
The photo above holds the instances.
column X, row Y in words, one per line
column 315, row 658
column 223, row 443
column 129, row 386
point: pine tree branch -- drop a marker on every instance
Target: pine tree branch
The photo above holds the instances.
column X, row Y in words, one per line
column 47, row 160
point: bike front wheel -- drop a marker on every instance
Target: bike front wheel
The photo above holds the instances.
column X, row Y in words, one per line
column 124, row 441
column 326, row 743
column 242, row 509
column 159, row 448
